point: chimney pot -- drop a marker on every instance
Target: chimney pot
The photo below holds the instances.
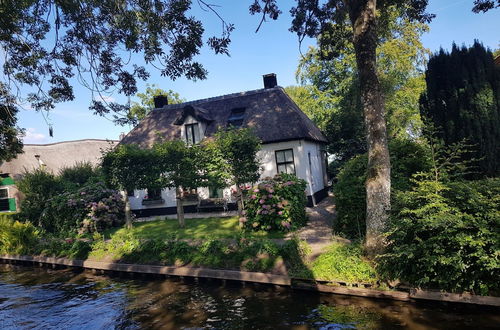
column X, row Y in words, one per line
column 270, row 80
column 160, row 101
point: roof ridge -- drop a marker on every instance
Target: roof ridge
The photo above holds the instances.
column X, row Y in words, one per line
column 220, row 97
column 69, row 141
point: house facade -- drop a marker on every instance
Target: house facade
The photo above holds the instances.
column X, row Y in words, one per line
column 291, row 142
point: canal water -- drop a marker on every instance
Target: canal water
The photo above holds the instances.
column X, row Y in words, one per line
column 40, row 298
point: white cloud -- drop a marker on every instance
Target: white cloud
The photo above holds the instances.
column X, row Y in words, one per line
column 32, row 136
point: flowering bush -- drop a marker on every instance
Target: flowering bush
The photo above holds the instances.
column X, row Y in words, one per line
column 275, row 204
column 91, row 208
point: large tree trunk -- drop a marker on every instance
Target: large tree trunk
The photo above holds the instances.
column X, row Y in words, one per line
column 180, row 207
column 128, row 215
column 378, row 181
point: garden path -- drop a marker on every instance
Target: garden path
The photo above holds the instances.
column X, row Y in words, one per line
column 318, row 232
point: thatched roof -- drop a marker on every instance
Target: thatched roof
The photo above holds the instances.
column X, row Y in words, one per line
column 270, row 112
column 56, row 156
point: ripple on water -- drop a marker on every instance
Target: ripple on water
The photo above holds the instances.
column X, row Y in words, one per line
column 34, row 298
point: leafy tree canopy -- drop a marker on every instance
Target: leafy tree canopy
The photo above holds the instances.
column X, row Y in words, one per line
column 139, row 110
column 50, row 44
column 331, row 96
column 239, row 148
column 10, row 142
column 128, row 167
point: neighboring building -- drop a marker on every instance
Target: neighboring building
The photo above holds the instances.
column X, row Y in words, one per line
column 8, row 194
column 291, row 142
column 53, row 157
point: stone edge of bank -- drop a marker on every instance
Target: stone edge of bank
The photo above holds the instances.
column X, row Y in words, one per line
column 255, row 277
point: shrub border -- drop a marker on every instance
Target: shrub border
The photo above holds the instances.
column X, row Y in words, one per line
column 255, row 277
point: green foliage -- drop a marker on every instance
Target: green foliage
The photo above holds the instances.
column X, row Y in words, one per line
column 350, row 198
column 344, row 262
column 38, row 187
column 333, row 96
column 318, row 105
column 64, row 248
column 239, row 148
column 129, row 167
column 248, row 254
column 70, row 202
column 17, row 237
column 80, row 174
column 446, row 236
column 407, row 158
column 179, row 165
column 10, row 142
column 463, row 102
column 139, row 110
column 275, row 204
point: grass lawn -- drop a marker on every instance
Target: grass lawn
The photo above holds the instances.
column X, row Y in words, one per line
column 195, row 229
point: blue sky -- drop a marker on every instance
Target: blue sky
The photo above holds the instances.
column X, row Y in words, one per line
column 272, row 49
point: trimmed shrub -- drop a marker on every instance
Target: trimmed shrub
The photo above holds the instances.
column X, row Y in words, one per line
column 446, row 236
column 80, row 174
column 275, row 204
column 407, row 158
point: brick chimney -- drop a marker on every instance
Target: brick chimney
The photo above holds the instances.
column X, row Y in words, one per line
column 160, row 101
column 270, row 80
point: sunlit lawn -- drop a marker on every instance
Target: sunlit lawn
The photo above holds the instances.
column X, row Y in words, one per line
column 194, row 229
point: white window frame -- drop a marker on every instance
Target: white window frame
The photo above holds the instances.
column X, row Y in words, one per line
column 192, row 130
column 285, row 162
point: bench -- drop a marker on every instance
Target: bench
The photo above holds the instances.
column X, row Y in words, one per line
column 211, row 204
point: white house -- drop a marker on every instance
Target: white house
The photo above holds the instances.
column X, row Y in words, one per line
column 291, row 142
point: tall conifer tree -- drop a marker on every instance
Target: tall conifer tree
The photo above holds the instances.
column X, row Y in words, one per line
column 463, row 102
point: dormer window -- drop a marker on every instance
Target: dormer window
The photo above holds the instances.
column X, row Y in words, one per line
column 192, row 133
column 236, row 117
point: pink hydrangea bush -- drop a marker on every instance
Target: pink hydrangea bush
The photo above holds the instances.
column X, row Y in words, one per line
column 276, row 204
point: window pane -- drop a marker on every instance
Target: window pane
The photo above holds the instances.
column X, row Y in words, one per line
column 290, row 168
column 289, row 155
column 282, row 168
column 3, row 193
column 154, row 193
column 280, row 156
column 196, row 131
column 215, row 192
column 189, row 135
column 4, row 204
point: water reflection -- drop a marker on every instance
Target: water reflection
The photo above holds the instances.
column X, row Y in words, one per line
column 64, row 299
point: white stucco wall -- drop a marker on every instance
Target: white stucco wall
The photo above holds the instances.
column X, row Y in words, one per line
column 316, row 169
column 314, row 174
